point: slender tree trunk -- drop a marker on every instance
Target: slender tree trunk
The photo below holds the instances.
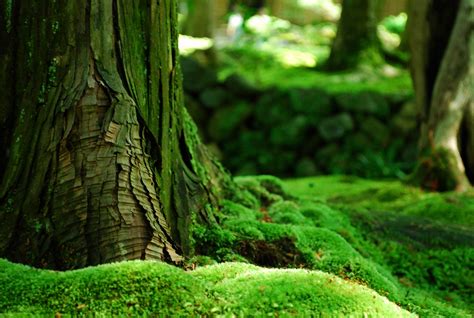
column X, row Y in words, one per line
column 441, row 41
column 200, row 19
column 101, row 162
column 201, row 22
column 356, row 37
column 393, row 7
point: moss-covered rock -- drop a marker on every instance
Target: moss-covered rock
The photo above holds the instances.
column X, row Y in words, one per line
column 273, row 108
column 282, row 124
column 290, row 133
column 336, row 127
column 228, row 119
column 376, row 130
column 316, row 103
column 214, row 97
column 364, row 102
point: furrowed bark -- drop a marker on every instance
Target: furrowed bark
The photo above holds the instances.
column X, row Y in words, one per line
column 99, row 166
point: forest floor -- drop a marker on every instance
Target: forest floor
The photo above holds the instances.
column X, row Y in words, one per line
column 319, row 246
column 333, row 245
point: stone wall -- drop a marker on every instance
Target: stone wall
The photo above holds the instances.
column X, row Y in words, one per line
column 300, row 132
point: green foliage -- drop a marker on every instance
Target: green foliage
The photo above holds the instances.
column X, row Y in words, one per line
column 395, row 24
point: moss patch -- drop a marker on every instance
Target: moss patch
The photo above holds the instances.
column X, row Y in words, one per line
column 413, row 247
column 154, row 288
column 371, row 238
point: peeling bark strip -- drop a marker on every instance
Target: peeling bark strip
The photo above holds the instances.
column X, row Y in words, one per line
column 105, row 191
column 100, row 164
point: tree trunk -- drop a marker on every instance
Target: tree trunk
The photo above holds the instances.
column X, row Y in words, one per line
column 442, row 46
column 102, row 163
column 200, row 19
column 200, row 22
column 356, row 39
column 393, row 7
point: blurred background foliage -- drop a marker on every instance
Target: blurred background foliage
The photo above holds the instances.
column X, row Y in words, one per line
column 260, row 90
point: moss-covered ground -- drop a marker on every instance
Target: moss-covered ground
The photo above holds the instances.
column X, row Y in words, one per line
column 156, row 289
column 414, row 247
column 324, row 246
column 262, row 70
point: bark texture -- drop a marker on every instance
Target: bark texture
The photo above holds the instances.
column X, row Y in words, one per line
column 442, row 46
column 101, row 163
column 356, row 37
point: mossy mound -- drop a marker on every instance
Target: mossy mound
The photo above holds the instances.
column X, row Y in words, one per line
column 114, row 289
column 255, row 291
column 373, row 239
column 413, row 247
column 153, row 288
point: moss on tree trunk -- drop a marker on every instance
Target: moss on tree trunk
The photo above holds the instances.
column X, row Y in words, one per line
column 356, row 39
column 102, row 163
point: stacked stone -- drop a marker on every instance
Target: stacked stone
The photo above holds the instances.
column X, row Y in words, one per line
column 299, row 131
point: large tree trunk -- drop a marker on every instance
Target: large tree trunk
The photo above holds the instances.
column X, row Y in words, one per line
column 356, row 39
column 101, row 162
column 442, row 46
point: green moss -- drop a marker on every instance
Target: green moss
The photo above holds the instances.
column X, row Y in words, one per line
column 132, row 288
column 413, row 247
column 298, row 293
column 413, row 242
column 156, row 289
column 380, row 195
column 286, row 212
column 8, row 15
column 209, row 240
column 261, row 190
column 393, row 238
column 265, row 72
column 235, row 210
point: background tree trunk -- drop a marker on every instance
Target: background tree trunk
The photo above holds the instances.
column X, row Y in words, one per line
column 393, row 7
column 441, row 42
column 101, row 162
column 201, row 22
column 200, row 19
column 356, row 36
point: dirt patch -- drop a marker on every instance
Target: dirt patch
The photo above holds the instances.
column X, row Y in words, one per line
column 278, row 253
